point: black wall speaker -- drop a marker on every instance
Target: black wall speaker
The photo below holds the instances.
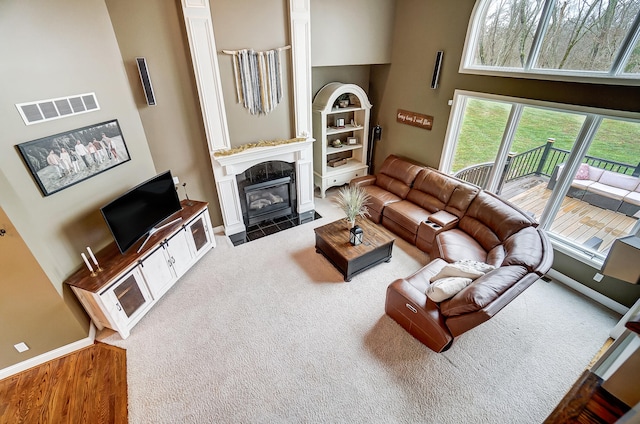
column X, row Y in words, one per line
column 436, row 69
column 146, row 81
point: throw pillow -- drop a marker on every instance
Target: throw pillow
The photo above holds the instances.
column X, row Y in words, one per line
column 458, row 269
column 478, row 266
column 583, row 172
column 446, row 288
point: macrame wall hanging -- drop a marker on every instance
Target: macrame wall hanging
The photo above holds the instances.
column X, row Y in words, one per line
column 258, row 77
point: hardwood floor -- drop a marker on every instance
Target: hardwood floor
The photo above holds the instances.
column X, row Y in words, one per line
column 87, row 386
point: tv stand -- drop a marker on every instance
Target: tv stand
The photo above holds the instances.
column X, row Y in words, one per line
column 131, row 283
column 155, row 230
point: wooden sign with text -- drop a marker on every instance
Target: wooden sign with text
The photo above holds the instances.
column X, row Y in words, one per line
column 416, row 119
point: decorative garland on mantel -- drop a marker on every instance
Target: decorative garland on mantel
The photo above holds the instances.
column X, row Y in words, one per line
column 261, row 143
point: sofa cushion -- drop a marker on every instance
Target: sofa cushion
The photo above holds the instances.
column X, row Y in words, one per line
column 406, row 214
column 446, row 288
column 396, row 175
column 456, row 245
column 617, row 180
column 608, row 190
column 378, row 199
column 524, row 248
column 431, row 190
column 633, row 198
column 595, row 173
column 392, row 185
column 461, row 198
column 490, row 220
column 483, row 291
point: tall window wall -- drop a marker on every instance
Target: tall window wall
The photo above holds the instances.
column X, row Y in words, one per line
column 544, row 157
column 566, row 39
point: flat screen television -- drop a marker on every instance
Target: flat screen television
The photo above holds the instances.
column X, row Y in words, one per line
column 137, row 212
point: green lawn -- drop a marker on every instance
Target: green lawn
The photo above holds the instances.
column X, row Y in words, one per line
column 484, row 124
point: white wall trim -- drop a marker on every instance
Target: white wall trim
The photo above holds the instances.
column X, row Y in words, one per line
column 587, row 291
column 51, row 355
column 199, row 27
column 300, row 28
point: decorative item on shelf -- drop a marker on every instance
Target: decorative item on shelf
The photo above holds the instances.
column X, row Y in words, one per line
column 93, row 258
column 352, row 140
column 353, row 201
column 336, row 143
column 340, row 123
column 356, row 235
column 189, row 202
column 343, row 100
column 337, row 162
column 86, row 262
column 353, row 123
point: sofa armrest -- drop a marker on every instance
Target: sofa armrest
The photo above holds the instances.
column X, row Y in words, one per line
column 554, row 176
column 365, row 180
column 444, row 219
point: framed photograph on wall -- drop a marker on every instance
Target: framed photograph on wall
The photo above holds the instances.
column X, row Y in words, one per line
column 62, row 160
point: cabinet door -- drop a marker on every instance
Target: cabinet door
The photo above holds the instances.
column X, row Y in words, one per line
column 157, row 271
column 126, row 300
column 199, row 234
column 179, row 254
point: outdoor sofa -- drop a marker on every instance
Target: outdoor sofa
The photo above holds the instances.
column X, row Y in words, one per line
column 603, row 188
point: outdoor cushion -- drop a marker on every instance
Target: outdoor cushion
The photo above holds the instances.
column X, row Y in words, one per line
column 615, row 179
column 633, row 197
column 608, row 191
column 583, row 172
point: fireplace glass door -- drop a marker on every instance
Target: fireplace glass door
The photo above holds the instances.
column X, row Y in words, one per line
column 268, row 200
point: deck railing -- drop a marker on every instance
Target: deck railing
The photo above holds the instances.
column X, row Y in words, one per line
column 539, row 161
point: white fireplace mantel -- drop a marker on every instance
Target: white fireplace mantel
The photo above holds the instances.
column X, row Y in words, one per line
column 226, row 167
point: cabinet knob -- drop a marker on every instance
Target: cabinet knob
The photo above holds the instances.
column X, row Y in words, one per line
column 118, row 306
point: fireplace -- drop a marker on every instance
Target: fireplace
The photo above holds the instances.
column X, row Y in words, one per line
column 230, row 174
column 267, row 191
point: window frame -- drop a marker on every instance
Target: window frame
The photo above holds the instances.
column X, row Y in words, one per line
column 593, row 118
column 614, row 76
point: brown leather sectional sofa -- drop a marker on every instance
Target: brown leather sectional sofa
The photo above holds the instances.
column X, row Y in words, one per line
column 453, row 221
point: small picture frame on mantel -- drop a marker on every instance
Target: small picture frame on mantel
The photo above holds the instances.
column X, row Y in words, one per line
column 352, row 140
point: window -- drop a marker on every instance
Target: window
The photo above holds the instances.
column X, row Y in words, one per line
column 525, row 150
column 555, row 39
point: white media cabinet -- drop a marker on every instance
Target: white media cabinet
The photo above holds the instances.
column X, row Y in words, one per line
column 130, row 284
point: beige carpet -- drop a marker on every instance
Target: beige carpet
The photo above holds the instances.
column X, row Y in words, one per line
column 267, row 332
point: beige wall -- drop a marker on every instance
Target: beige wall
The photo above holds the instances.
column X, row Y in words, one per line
column 421, row 29
column 323, row 75
column 54, row 49
column 31, row 311
column 50, row 58
column 354, row 32
column 257, row 25
column 154, row 29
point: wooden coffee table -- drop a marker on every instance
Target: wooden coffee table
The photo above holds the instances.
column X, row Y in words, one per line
column 332, row 240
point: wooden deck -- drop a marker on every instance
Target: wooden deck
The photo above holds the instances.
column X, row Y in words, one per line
column 577, row 220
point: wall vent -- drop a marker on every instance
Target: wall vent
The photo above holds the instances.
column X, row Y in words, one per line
column 46, row 110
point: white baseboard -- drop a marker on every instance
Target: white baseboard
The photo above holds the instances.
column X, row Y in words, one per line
column 587, row 291
column 48, row 356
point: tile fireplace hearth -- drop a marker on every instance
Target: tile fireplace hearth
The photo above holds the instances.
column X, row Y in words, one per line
column 235, row 203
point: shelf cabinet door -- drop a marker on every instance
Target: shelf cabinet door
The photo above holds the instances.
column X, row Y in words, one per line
column 166, row 264
column 157, row 272
column 126, row 300
column 199, row 234
column 178, row 253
